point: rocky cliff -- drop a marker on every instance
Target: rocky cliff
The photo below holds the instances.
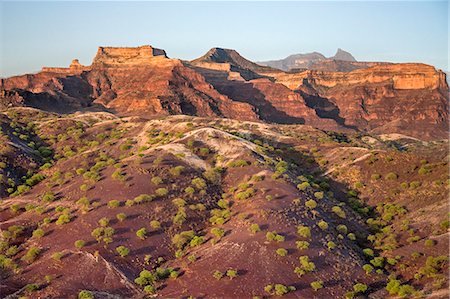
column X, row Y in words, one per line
column 396, row 98
column 408, row 97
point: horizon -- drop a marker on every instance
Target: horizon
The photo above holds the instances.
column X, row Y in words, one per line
column 37, row 34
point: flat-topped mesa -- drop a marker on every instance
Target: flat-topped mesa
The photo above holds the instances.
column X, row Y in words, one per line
column 126, row 56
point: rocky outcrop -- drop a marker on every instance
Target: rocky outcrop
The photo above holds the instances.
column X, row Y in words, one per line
column 413, row 95
column 126, row 56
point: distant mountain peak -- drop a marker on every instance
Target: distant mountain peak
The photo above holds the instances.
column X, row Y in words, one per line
column 343, row 55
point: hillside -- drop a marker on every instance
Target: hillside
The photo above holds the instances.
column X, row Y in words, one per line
column 207, row 207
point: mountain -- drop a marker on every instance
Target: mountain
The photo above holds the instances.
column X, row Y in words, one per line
column 144, row 176
column 409, row 99
column 343, row 56
column 342, row 61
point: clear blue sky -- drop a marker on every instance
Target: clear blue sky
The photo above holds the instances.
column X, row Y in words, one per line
column 34, row 34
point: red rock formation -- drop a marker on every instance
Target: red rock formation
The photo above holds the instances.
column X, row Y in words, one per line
column 415, row 95
column 402, row 98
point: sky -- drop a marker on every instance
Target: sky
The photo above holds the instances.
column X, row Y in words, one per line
column 35, row 34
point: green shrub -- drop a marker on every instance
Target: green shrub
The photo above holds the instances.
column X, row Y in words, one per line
column 196, row 241
column 391, row 176
column 161, row 192
column 238, row 163
column 63, row 219
column 189, row 190
column 57, row 255
column 424, row 170
column 331, row 245
column 177, row 170
column 317, row 285
column 273, row 236
column 302, row 244
column 181, row 239
column 48, row 196
column 113, row 204
column 103, row 222
column 143, row 198
column 318, row 195
column 218, row 232
column 341, row 228
column 311, row 204
column 121, row 217
column 281, row 252
column 368, row 268
column 85, row 295
column 155, row 224
column 368, row 252
column 31, row 255
column 429, row 243
column 79, row 244
column 198, row 183
column 232, row 273
column 338, row 211
column 303, row 186
column 141, row 233
column 122, row 251
column 38, row 233
column 375, row 176
column 254, row 228
column 156, row 180
column 323, row 225
column 359, row 288
column 304, row 231
column 217, row 274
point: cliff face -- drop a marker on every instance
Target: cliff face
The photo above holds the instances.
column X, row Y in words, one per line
column 385, row 98
column 114, row 56
column 398, row 97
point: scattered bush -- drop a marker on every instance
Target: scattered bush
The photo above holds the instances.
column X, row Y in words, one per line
column 238, row 163
column 218, row 232
column 304, row 231
column 311, row 204
column 79, row 244
column 161, row 192
column 155, row 224
column 113, row 204
column 281, row 252
column 232, row 273
column 217, row 274
column 141, row 233
column 317, row 285
column 38, row 233
column 156, row 180
column 303, row 186
column 391, row 176
column 121, row 217
column 122, row 251
column 198, row 183
column 338, row 211
column 85, row 295
column 254, row 228
column 359, row 288
column 302, row 244
column 273, row 236
column 31, row 255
